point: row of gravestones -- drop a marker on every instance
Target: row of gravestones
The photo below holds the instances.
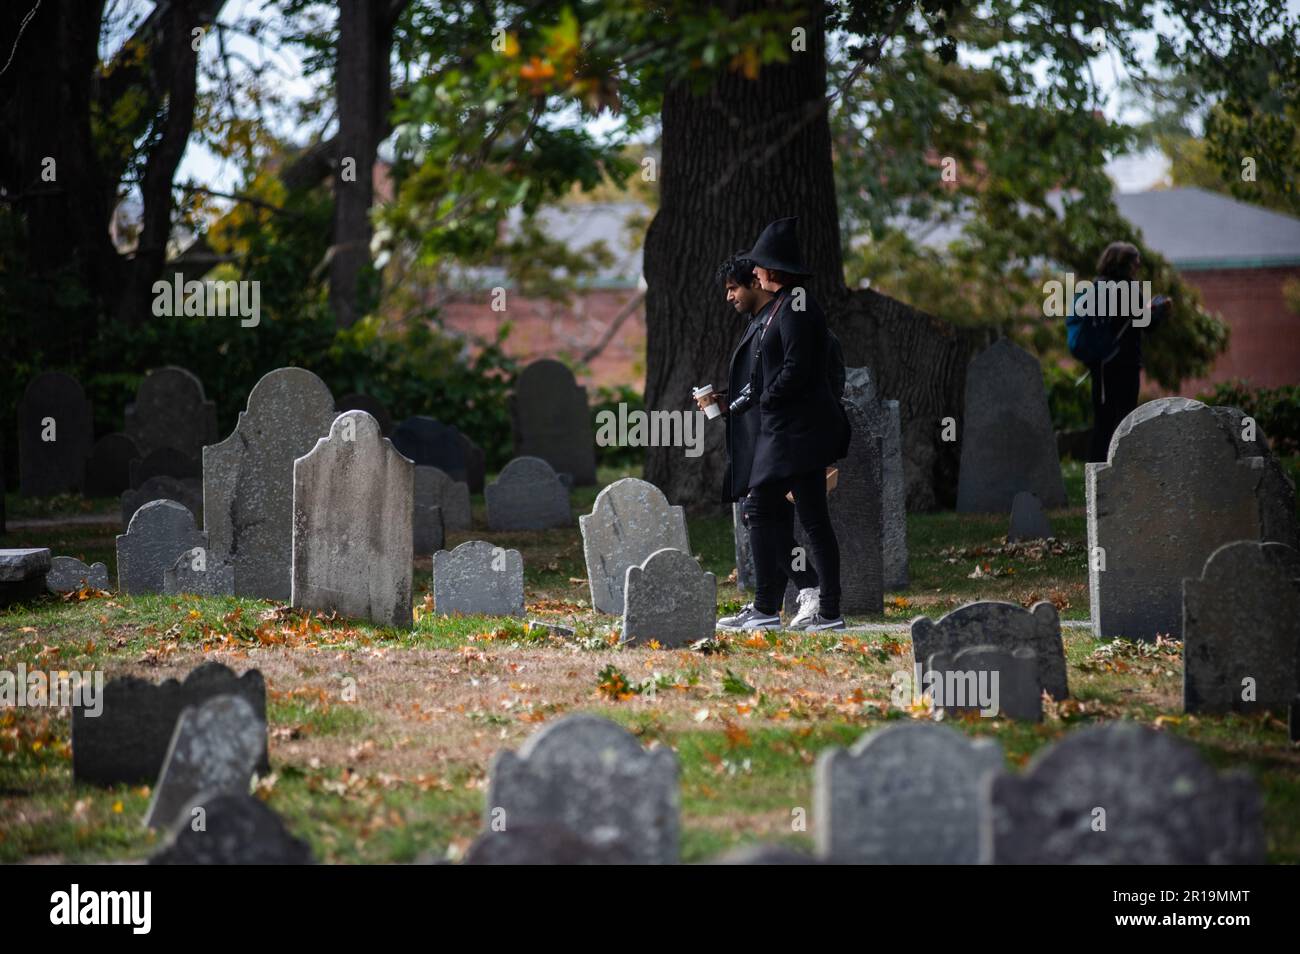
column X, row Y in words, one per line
column 582, row 789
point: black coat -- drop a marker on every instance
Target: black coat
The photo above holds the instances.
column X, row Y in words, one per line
column 742, row 429
column 801, row 424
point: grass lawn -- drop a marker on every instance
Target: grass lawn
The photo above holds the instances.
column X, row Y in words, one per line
column 401, row 771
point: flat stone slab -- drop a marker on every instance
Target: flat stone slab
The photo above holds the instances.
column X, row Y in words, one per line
column 670, row 599
column 527, row 495
column 159, row 533
column 17, row 566
column 630, row 520
column 237, row 829
column 69, row 575
column 478, row 578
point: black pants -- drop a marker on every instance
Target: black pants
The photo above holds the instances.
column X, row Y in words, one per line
column 770, row 519
column 1120, row 379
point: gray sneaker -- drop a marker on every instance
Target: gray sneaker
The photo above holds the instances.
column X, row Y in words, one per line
column 820, row 622
column 749, row 618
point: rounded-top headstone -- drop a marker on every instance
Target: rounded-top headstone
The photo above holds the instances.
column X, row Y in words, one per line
column 54, row 435
column 171, row 410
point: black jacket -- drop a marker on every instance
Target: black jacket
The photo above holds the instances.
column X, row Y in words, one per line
column 742, row 429
column 801, row 425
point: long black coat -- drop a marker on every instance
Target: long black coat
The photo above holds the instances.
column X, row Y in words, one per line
column 801, row 424
column 742, row 429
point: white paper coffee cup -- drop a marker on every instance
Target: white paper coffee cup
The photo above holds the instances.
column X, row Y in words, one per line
column 711, row 410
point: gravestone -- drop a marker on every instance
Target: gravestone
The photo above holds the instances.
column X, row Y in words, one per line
column 988, row 682
column 127, row 742
column 744, row 550
column 909, row 793
column 544, row 844
column 436, row 488
column 764, row 855
column 68, row 575
column 372, row 406
column 1007, row 441
column 527, row 495
column 248, row 480
column 22, row 574
column 171, row 410
column 552, row 420
column 192, row 573
column 630, row 520
column 159, row 532
column 592, row 777
column 187, row 493
column 237, row 829
column 1276, row 493
column 475, row 465
column 108, row 470
column 352, row 537
column 1241, row 629
column 884, row 419
column 428, row 530
column 54, row 435
column 1121, row 793
column 431, row 443
column 670, row 599
column 214, row 751
column 1172, row 491
column 478, row 578
column 1004, row 626
column 165, row 462
column 854, row 507
column 1028, row 519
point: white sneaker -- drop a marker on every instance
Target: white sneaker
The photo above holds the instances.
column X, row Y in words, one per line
column 749, row 618
column 810, row 603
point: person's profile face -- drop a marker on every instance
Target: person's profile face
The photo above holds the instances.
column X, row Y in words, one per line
column 764, row 277
column 741, row 297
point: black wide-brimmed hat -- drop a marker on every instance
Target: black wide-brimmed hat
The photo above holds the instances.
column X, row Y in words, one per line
column 778, row 248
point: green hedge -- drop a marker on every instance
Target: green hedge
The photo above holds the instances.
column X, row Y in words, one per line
column 1276, row 411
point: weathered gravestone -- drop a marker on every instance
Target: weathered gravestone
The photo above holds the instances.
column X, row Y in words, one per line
column 165, row 462
column 544, row 844
column 171, row 410
column 904, row 794
column 670, row 599
column 159, row 532
column 593, row 778
column 436, row 488
column 214, row 751
column 854, row 507
column 1276, row 493
column 1007, row 441
column 1121, row 793
column 108, row 469
column 987, row 681
column 372, row 406
column 187, row 493
column 1173, row 490
column 552, row 420
column 428, row 529
column 430, row 443
column 1028, row 519
column 1241, row 629
column 126, row 743
column 630, row 520
column 248, row 480
column 231, row 829
column 54, row 435
column 22, row 573
column 352, row 538
column 68, row 575
column 192, row 573
column 884, row 420
column 478, row 578
column 527, row 495
column 1004, row 626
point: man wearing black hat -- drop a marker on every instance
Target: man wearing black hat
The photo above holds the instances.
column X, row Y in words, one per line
column 801, row 428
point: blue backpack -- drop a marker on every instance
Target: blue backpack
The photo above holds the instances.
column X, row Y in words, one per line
column 1093, row 339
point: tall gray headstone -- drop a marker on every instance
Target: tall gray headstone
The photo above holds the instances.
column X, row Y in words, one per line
column 593, row 778
column 1121, row 793
column 527, row 495
column 905, row 794
column 1172, row 491
column 669, row 598
column 192, row 573
column 171, row 410
column 884, row 419
column 987, row 681
column 188, row 493
column 478, row 578
column 54, row 435
column 238, row 829
column 1028, row 519
column 1007, row 441
column 630, row 520
column 352, row 537
column 68, row 575
column 108, row 470
column 214, row 751
column 552, row 420
column 159, row 532
column 248, row 479
column 1241, row 629
column 436, row 488
column 1004, row 626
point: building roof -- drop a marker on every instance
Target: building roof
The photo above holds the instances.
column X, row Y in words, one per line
column 1198, row 229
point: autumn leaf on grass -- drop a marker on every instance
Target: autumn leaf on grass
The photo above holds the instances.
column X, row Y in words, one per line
column 736, row 736
column 736, row 685
column 613, row 684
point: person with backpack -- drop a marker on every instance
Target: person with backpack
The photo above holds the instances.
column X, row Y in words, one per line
column 785, row 424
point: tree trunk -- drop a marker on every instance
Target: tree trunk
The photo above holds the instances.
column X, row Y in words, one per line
column 734, row 158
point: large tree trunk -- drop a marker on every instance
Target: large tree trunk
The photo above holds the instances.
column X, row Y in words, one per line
column 736, row 157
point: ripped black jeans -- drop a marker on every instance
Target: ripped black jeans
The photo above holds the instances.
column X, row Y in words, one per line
column 770, row 520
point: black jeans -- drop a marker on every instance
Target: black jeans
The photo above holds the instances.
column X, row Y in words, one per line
column 770, row 519
column 1120, row 378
